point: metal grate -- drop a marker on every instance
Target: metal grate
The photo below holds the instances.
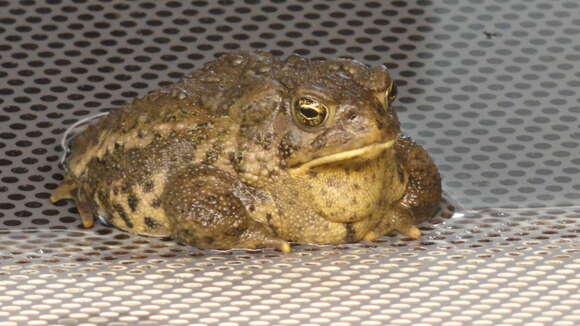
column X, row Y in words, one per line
column 488, row 87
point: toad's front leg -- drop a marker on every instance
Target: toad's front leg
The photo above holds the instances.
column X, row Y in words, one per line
column 204, row 211
column 422, row 195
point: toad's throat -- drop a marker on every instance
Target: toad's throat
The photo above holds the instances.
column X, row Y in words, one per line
column 363, row 153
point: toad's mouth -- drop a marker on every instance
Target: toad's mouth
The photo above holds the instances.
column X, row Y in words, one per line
column 362, row 153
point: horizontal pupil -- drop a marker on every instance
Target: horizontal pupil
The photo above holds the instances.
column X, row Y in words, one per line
column 308, row 112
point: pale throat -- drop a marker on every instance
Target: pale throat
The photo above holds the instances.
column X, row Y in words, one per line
column 354, row 187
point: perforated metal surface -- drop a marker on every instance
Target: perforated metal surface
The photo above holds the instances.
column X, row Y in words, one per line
column 489, row 87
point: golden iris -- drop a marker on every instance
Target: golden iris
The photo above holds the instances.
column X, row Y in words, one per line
column 309, row 112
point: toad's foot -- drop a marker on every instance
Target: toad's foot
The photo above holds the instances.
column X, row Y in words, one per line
column 410, row 231
column 69, row 190
column 400, row 219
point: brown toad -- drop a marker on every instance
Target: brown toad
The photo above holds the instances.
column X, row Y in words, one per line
column 253, row 151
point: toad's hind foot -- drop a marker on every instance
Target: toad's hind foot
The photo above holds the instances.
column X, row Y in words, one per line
column 65, row 190
column 84, row 208
column 68, row 189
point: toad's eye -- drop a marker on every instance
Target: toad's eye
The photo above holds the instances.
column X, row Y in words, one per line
column 391, row 94
column 309, row 112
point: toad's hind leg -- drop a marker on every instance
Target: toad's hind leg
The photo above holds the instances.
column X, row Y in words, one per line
column 68, row 189
column 65, row 190
column 203, row 211
column 423, row 193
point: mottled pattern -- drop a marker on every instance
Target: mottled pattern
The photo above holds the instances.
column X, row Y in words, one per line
column 254, row 151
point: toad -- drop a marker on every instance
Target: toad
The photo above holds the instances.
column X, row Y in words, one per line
column 252, row 151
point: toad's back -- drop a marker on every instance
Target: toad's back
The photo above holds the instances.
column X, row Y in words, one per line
column 119, row 166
